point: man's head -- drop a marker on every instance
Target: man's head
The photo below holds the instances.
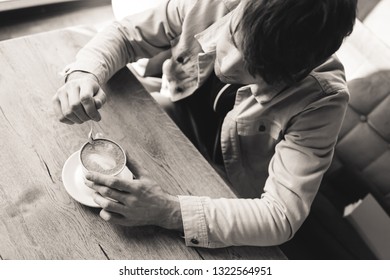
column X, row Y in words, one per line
column 283, row 40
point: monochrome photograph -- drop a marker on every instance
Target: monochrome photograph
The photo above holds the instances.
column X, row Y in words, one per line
column 195, row 130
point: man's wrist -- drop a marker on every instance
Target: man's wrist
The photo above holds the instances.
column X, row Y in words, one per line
column 173, row 219
column 80, row 75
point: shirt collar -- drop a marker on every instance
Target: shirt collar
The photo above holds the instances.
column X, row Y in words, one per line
column 208, row 38
column 264, row 92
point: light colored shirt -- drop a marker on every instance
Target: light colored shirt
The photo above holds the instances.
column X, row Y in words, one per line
column 277, row 141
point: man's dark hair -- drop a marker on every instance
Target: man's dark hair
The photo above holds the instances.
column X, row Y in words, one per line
column 284, row 40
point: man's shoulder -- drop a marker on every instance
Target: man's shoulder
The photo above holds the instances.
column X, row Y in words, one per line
column 330, row 76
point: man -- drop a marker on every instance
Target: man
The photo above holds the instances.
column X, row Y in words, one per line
column 279, row 124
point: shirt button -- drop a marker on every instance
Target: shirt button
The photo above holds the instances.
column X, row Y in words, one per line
column 363, row 118
column 180, row 59
column 194, row 241
column 262, row 128
column 179, row 89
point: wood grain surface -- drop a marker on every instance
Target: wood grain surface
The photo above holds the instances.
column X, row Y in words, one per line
column 38, row 219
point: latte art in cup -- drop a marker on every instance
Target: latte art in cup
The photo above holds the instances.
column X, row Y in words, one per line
column 103, row 156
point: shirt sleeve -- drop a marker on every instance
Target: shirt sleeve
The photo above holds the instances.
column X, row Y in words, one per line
column 137, row 36
column 194, row 220
column 223, row 222
column 295, row 173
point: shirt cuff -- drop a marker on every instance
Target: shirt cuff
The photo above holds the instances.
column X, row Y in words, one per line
column 194, row 221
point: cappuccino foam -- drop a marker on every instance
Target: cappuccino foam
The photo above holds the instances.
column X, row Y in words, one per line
column 102, row 156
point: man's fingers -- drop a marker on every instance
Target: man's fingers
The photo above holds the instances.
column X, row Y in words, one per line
column 108, row 204
column 58, row 111
column 106, row 180
column 66, row 110
column 88, row 102
column 74, row 104
column 111, row 217
column 126, row 186
column 79, row 99
column 108, row 192
column 100, row 98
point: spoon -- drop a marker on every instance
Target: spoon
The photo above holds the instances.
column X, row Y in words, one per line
column 90, row 137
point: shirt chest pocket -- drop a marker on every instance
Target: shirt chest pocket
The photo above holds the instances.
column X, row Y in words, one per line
column 257, row 141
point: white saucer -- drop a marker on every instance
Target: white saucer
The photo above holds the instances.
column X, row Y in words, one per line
column 72, row 178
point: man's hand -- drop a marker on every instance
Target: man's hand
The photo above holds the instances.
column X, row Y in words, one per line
column 79, row 99
column 135, row 202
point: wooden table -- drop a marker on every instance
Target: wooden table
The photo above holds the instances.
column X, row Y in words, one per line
column 38, row 219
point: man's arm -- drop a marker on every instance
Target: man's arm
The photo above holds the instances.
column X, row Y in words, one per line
column 137, row 36
column 295, row 173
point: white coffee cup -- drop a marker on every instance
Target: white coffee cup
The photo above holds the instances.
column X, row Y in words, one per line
column 104, row 156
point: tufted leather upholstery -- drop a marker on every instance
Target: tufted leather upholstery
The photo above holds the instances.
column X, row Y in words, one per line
column 364, row 140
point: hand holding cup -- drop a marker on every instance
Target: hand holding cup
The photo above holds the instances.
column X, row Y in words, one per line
column 137, row 202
